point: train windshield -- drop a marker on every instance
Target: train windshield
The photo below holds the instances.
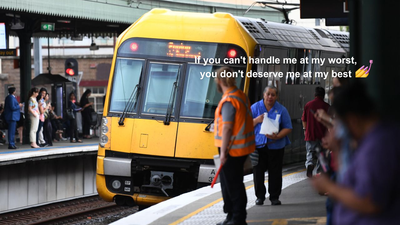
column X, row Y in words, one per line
column 160, row 87
column 160, row 69
column 126, row 77
column 200, row 96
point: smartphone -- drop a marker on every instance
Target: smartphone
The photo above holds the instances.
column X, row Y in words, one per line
column 312, row 111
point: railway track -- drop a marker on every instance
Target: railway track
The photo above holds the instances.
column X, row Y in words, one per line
column 90, row 210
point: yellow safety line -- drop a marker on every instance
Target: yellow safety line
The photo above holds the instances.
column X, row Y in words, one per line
column 318, row 220
column 280, row 222
column 218, row 200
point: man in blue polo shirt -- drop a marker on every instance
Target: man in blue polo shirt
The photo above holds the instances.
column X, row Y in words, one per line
column 269, row 148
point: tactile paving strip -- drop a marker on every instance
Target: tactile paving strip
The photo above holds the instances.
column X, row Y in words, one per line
column 215, row 214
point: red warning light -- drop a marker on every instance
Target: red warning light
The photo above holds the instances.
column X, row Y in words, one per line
column 134, row 46
column 70, row 72
column 232, row 53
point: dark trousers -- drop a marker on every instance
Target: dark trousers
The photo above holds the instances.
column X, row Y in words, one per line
column 271, row 160
column 86, row 122
column 47, row 132
column 232, row 187
column 73, row 130
column 12, row 126
column 37, row 132
column 56, row 125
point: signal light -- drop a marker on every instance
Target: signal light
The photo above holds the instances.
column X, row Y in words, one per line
column 232, row 53
column 134, row 46
column 71, row 67
column 70, row 72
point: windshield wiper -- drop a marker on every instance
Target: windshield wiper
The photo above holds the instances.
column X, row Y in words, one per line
column 208, row 127
column 131, row 104
column 171, row 104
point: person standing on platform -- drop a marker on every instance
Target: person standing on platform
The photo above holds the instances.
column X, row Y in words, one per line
column 314, row 131
column 270, row 148
column 234, row 137
column 73, row 128
column 20, row 123
column 33, row 111
column 368, row 192
column 42, row 108
column 11, row 114
column 87, row 109
column 47, row 129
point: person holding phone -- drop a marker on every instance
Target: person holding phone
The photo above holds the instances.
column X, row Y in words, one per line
column 314, row 131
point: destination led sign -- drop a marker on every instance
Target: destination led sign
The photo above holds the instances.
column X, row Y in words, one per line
column 181, row 51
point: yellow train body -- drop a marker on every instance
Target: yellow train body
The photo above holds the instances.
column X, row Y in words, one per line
column 144, row 137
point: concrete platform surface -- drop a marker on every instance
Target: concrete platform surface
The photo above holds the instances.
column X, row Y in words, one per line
column 300, row 205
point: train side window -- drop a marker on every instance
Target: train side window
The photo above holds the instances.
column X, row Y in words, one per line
column 200, row 96
column 316, row 67
column 307, row 68
column 328, row 81
column 290, row 79
column 127, row 74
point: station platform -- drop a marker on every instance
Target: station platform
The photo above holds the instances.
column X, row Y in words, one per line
column 300, row 205
column 59, row 149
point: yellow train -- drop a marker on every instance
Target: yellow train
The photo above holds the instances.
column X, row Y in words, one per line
column 155, row 138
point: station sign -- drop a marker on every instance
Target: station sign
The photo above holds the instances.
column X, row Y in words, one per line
column 47, row 26
column 324, row 9
column 8, row 52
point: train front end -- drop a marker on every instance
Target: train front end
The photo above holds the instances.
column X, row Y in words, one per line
column 155, row 139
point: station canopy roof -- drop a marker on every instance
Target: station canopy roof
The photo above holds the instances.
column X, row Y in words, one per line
column 106, row 18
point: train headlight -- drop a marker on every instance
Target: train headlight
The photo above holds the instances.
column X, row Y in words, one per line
column 116, row 184
column 104, row 121
column 103, row 140
column 104, row 129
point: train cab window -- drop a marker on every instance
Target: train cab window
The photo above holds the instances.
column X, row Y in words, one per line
column 127, row 74
column 200, row 96
column 160, row 87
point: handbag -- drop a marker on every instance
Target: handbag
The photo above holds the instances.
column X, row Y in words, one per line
column 70, row 114
column 93, row 118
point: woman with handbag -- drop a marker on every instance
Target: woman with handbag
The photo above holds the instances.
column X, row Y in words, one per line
column 71, row 114
column 87, row 110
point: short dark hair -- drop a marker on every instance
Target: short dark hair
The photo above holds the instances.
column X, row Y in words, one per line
column 319, row 92
column 353, row 98
column 270, row 87
column 11, row 90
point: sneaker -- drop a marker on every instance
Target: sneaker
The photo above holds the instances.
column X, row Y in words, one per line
column 310, row 169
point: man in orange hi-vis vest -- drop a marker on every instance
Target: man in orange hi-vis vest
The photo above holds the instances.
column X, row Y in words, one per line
column 234, row 137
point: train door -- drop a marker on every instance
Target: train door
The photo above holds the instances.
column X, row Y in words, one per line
column 154, row 133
